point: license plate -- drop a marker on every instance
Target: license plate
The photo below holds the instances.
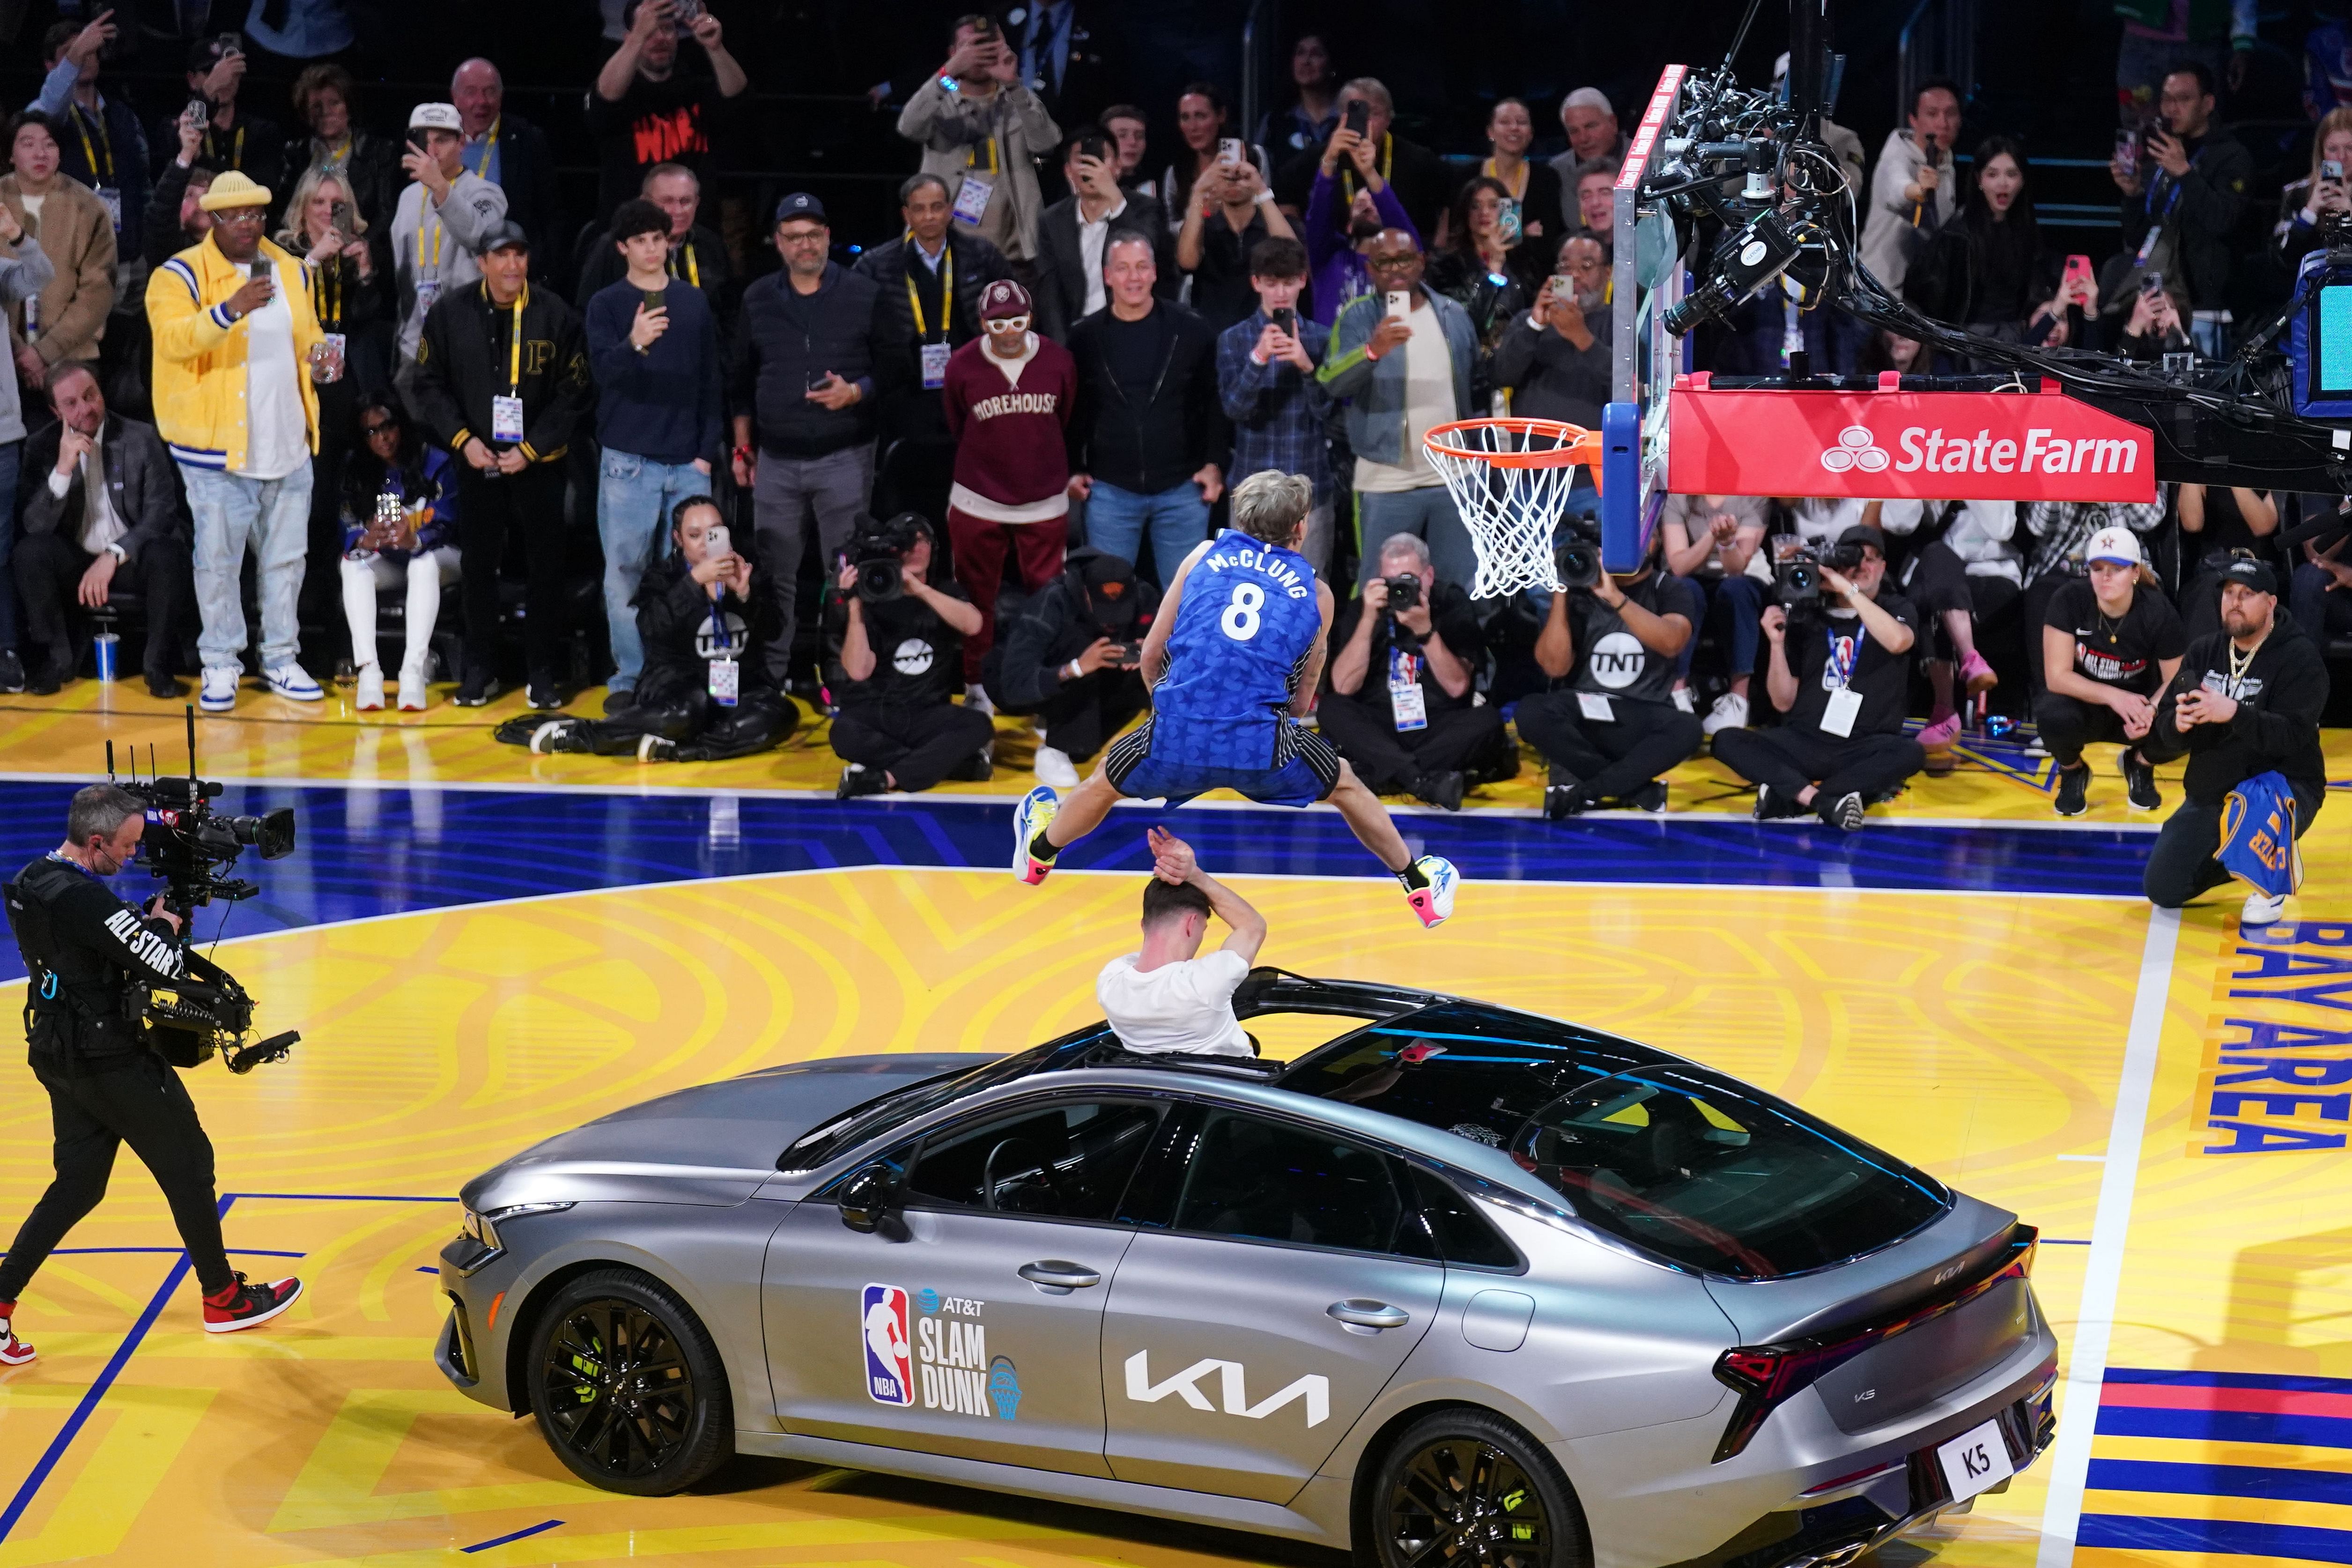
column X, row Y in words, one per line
column 1975, row 1460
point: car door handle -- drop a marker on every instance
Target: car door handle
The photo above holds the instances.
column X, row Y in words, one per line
column 1057, row 1274
column 1357, row 1313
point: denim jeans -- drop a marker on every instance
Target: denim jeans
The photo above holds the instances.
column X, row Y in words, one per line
column 273, row 518
column 11, row 453
column 1736, row 604
column 634, row 496
column 1177, row 519
column 1427, row 512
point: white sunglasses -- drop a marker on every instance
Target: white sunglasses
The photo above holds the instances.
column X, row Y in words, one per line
column 1008, row 323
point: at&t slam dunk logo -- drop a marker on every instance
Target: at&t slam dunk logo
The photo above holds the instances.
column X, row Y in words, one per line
column 945, row 1358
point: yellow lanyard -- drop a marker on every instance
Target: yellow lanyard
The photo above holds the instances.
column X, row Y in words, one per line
column 693, row 268
column 327, row 292
column 237, row 152
column 1487, row 169
column 514, row 343
column 947, row 291
column 82, row 120
column 972, row 157
column 421, row 263
column 490, row 149
column 1347, row 175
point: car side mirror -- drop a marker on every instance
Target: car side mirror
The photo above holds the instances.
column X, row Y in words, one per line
column 868, row 1198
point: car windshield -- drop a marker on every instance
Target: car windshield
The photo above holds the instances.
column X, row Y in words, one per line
column 1683, row 1162
column 876, row 1116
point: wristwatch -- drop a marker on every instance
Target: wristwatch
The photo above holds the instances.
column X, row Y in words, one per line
column 1071, row 671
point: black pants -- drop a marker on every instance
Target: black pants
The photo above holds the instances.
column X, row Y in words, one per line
column 1389, row 760
column 48, row 569
column 2069, row 723
column 530, row 506
column 917, row 746
column 1612, row 760
column 1788, row 759
column 140, row 1102
column 1086, row 712
column 2181, row 864
column 2034, row 605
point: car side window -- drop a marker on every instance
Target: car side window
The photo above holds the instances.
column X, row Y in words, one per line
column 1454, row 1226
column 1069, row 1160
column 1272, row 1181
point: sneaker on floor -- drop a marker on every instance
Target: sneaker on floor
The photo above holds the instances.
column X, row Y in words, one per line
column 1650, row 797
column 1729, row 712
column 2074, row 790
column 1429, row 884
column 2139, row 783
column 1844, row 813
column 544, row 695
column 857, row 779
column 13, row 1351
column 1772, row 805
column 1564, row 796
column 1685, row 699
column 478, row 689
column 292, row 681
column 1940, row 735
column 1056, row 768
column 220, row 687
column 1030, row 818
column 12, row 672
column 369, row 698
column 1442, row 790
column 619, row 701
column 413, row 693
column 163, row 684
column 978, row 768
column 245, row 1306
column 46, row 677
column 2263, row 910
column 660, row 749
column 975, row 699
column 1977, row 673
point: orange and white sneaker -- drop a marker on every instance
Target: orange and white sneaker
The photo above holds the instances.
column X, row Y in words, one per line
column 1037, row 808
column 13, row 1351
column 239, row 1305
column 1429, row 884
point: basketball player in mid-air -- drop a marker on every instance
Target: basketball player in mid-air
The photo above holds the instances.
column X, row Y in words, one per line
column 1233, row 657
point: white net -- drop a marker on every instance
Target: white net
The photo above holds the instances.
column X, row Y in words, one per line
column 1511, row 508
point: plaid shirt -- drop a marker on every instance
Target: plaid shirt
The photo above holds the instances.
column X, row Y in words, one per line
column 2061, row 529
column 1276, row 410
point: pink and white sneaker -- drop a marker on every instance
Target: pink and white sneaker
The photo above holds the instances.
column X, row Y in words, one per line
column 1429, row 884
column 1977, row 673
column 1940, row 735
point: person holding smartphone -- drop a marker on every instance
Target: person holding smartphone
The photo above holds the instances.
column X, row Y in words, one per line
column 1265, row 378
column 2305, row 206
column 1073, row 660
column 2180, row 203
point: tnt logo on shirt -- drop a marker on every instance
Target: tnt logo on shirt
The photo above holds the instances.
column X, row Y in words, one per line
column 913, row 658
column 889, row 1366
column 1617, row 660
column 706, row 646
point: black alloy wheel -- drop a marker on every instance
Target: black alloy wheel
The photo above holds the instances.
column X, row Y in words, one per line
column 1466, row 1489
column 627, row 1386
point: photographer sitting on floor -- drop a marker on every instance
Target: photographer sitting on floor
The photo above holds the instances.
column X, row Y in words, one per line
column 699, row 698
column 2110, row 646
column 1843, row 689
column 1612, row 730
column 897, row 660
column 1399, row 706
column 1166, row 1000
column 1071, row 657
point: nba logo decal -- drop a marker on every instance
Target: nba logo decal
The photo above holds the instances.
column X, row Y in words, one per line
column 889, row 1362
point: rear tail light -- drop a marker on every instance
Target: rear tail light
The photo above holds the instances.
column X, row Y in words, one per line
column 1767, row 1376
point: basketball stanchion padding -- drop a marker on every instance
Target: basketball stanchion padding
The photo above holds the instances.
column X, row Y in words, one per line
column 1510, row 480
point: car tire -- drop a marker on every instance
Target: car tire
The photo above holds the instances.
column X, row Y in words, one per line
column 1467, row 1487
column 626, row 1386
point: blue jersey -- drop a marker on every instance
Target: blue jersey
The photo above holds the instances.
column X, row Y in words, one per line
column 1246, row 621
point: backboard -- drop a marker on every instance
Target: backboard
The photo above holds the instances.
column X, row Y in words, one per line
column 1646, row 280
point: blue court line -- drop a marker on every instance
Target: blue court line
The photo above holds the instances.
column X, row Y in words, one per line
column 2221, row 1481
column 423, row 1270
column 2295, row 1383
column 2230, row 1537
column 232, row 1251
column 349, row 1197
column 517, row 1535
column 2226, row 1427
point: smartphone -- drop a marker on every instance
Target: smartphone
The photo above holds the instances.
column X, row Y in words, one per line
column 1358, row 116
column 2151, row 284
column 1229, row 151
column 653, row 298
column 1400, row 304
column 717, row 540
column 197, row 113
column 259, row 267
column 2127, row 152
column 817, row 380
column 689, row 12
column 340, row 214
column 1288, row 320
column 2332, row 169
column 1126, row 654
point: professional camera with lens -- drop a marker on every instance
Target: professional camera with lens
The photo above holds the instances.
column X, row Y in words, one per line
column 876, row 552
column 1796, row 578
column 1577, row 562
column 1404, row 592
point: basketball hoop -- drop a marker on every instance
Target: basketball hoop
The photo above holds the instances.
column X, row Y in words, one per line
column 1510, row 480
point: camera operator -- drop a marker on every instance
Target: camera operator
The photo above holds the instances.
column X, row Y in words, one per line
column 2109, row 647
column 1612, row 730
column 87, row 952
column 1399, row 707
column 898, row 660
column 1072, row 659
column 2246, row 702
column 1842, row 688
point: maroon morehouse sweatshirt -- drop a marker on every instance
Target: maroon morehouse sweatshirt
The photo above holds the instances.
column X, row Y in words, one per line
column 1012, row 465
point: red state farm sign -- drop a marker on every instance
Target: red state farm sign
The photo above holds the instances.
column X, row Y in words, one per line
column 1889, row 445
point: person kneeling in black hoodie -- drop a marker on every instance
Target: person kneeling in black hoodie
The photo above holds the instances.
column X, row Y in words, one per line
column 698, row 699
column 2246, row 702
column 1071, row 658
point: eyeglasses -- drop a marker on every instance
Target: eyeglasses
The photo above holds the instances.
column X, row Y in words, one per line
column 812, row 237
column 1393, row 263
column 378, row 428
column 1007, row 324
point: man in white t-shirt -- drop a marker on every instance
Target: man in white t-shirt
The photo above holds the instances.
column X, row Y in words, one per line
column 1165, row 1000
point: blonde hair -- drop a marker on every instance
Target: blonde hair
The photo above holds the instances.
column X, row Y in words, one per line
column 1269, row 505
column 297, row 204
column 2334, row 120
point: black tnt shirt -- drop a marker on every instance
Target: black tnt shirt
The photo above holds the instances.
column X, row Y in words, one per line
column 2122, row 651
column 918, row 658
column 1882, row 679
column 1610, row 660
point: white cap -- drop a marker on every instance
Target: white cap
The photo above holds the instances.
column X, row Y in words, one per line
column 2116, row 544
column 435, row 117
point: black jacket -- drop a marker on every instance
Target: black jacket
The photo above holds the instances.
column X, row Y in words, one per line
column 1091, row 80
column 905, row 408
column 1062, row 264
column 1549, row 377
column 1449, row 618
column 674, row 620
column 142, row 486
column 526, row 174
column 98, row 947
column 702, row 261
column 786, row 338
column 1163, row 442
column 1059, row 624
column 2210, row 196
column 252, row 144
column 462, row 361
column 2280, row 699
column 160, row 235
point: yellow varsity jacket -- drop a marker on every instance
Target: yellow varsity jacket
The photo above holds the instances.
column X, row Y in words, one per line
column 199, row 368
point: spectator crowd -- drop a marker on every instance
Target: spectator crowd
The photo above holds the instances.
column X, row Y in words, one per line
column 279, row 392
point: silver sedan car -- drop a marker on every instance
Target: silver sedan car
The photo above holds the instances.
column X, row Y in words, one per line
column 1458, row 1285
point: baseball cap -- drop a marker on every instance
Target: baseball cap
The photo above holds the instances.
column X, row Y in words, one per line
column 234, row 189
column 504, row 235
column 1862, row 533
column 801, row 204
column 2254, row 574
column 1002, row 299
column 435, row 117
column 2116, row 544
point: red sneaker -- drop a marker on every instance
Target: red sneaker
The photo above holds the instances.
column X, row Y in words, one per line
column 13, row 1351
column 243, row 1306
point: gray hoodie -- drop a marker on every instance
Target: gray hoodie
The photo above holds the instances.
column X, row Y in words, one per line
column 1889, row 239
column 24, row 271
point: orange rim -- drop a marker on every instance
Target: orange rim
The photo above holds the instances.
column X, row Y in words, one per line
column 1575, row 444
